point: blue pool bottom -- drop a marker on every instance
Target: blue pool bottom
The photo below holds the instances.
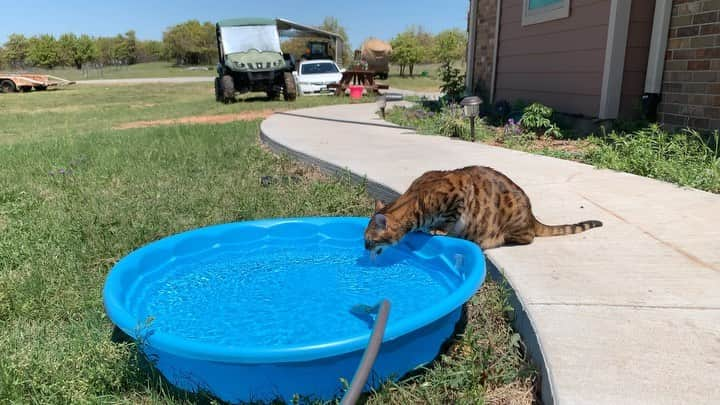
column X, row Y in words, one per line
column 315, row 379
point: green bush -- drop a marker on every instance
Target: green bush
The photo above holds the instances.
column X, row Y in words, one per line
column 453, row 81
column 538, row 118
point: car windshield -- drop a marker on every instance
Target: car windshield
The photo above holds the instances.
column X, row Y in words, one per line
column 241, row 39
column 318, row 68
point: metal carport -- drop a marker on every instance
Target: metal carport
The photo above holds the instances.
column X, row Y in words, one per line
column 287, row 28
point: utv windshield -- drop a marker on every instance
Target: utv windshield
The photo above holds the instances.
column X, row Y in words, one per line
column 241, row 39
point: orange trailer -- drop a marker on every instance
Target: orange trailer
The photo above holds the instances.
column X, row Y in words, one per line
column 12, row 82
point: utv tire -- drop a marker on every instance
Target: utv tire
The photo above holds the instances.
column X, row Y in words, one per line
column 218, row 90
column 272, row 95
column 383, row 76
column 290, row 91
column 228, row 88
column 7, row 86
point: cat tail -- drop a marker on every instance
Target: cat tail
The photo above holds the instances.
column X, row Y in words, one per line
column 569, row 229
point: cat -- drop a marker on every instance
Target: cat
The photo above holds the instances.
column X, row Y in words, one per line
column 476, row 203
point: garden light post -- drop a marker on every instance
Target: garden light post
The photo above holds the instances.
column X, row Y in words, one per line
column 471, row 109
column 381, row 102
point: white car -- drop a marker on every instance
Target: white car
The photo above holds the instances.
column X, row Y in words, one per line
column 313, row 76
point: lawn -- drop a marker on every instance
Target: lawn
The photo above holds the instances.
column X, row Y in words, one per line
column 425, row 77
column 76, row 195
column 149, row 69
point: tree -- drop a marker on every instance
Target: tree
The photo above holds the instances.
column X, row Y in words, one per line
column 450, row 46
column 43, row 51
column 190, row 42
column 129, row 44
column 425, row 40
column 16, row 50
column 74, row 51
column 67, row 46
column 406, row 51
column 85, row 51
column 105, row 47
column 149, row 51
column 125, row 49
column 332, row 24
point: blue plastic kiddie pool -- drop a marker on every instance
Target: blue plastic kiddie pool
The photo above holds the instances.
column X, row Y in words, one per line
column 269, row 309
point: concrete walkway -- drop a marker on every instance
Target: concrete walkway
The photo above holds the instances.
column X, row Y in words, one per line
column 624, row 314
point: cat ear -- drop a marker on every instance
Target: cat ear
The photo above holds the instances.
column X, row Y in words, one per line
column 380, row 221
column 379, row 205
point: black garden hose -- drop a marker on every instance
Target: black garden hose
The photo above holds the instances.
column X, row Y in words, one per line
column 368, row 359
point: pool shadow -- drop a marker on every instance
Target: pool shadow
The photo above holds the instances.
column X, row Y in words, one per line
column 146, row 374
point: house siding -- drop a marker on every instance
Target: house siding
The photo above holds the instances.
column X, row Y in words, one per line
column 636, row 58
column 558, row 63
column 691, row 79
column 484, row 47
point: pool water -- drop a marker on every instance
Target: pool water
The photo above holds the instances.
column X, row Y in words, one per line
column 274, row 296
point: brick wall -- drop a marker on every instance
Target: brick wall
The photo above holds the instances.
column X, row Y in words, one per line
column 484, row 46
column 691, row 81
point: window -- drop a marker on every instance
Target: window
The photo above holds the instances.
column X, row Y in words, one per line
column 318, row 68
column 537, row 11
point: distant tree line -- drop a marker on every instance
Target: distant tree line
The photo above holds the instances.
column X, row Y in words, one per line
column 46, row 51
column 194, row 43
column 415, row 46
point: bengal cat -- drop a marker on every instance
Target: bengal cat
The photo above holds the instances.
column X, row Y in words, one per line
column 475, row 203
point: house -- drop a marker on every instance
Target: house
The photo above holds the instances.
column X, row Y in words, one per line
column 600, row 59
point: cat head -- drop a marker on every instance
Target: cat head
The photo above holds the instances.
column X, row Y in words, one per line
column 383, row 230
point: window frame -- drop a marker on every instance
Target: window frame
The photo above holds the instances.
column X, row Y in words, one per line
column 548, row 13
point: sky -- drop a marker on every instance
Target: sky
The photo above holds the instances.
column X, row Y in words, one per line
column 149, row 18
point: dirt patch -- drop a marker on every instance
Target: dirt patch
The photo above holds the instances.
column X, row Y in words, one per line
column 575, row 146
column 200, row 119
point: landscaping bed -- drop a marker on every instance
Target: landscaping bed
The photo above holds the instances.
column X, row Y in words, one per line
column 685, row 157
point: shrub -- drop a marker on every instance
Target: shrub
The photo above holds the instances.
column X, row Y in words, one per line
column 453, row 82
column 537, row 118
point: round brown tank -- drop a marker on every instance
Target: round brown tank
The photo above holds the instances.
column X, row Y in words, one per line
column 377, row 54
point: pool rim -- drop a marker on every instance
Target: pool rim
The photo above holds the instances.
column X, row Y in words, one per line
column 114, row 293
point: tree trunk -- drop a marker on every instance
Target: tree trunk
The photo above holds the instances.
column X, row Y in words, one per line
column 412, row 65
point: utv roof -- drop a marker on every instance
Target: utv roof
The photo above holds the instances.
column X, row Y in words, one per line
column 237, row 22
column 288, row 28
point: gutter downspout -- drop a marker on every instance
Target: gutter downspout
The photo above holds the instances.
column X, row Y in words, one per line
column 471, row 51
column 495, row 51
column 656, row 58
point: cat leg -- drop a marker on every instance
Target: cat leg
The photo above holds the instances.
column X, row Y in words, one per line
column 521, row 238
column 489, row 243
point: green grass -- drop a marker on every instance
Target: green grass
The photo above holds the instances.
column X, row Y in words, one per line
column 429, row 83
column 81, row 108
column 150, row 69
column 484, row 365
column 684, row 158
column 76, row 195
